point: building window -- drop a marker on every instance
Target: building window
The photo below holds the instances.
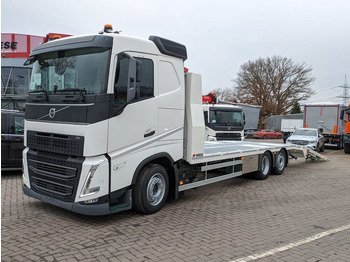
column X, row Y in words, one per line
column 15, row 80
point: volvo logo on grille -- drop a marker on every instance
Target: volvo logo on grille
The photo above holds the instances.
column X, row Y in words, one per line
column 52, row 112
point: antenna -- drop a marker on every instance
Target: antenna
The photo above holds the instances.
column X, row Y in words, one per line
column 345, row 96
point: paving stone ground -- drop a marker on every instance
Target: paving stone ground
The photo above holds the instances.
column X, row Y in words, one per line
column 225, row 221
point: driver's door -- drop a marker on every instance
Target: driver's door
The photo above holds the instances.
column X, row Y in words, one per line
column 134, row 128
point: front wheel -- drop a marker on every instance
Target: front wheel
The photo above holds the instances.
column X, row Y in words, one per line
column 264, row 167
column 281, row 163
column 322, row 148
column 151, row 189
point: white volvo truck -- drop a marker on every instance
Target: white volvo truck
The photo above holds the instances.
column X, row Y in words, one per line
column 113, row 123
column 223, row 122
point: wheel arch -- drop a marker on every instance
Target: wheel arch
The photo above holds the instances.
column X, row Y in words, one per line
column 165, row 160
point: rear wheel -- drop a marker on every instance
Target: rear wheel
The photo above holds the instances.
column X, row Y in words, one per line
column 281, row 163
column 264, row 167
column 347, row 148
column 151, row 189
column 264, row 137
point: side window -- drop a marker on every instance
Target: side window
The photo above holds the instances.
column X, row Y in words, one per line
column 144, row 88
column 19, row 125
column 146, row 85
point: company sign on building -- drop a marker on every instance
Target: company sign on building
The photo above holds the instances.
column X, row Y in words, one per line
column 18, row 45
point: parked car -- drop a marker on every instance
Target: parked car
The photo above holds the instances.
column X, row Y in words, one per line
column 249, row 133
column 267, row 133
column 12, row 131
column 309, row 137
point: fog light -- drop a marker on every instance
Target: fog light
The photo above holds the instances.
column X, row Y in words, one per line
column 91, row 201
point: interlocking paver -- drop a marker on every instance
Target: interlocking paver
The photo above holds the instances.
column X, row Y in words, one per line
column 220, row 222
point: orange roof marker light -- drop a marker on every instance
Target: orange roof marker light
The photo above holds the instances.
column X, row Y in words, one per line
column 108, row 28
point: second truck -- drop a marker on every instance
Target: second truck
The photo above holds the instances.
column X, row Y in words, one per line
column 345, row 116
column 222, row 121
column 113, row 123
column 326, row 117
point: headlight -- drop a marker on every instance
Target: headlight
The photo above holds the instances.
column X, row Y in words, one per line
column 313, row 141
column 87, row 190
column 211, row 138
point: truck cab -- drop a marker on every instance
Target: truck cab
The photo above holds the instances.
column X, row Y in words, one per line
column 345, row 116
column 223, row 122
column 96, row 109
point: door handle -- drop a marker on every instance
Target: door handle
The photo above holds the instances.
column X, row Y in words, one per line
column 149, row 134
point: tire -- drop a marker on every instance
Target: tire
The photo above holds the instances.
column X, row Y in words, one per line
column 347, row 148
column 151, row 189
column 341, row 144
column 279, row 137
column 322, row 148
column 264, row 167
column 264, row 137
column 281, row 163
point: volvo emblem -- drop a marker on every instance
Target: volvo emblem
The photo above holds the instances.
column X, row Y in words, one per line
column 52, row 112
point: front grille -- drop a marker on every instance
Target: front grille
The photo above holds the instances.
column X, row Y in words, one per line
column 56, row 143
column 299, row 142
column 51, row 187
column 54, row 175
column 52, row 169
column 228, row 136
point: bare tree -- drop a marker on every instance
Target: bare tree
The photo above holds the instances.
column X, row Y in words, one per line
column 275, row 83
column 225, row 94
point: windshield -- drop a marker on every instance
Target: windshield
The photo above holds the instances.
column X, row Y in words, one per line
column 84, row 69
column 303, row 132
column 222, row 117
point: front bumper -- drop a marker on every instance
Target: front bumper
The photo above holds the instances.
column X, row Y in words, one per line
column 312, row 146
column 80, row 208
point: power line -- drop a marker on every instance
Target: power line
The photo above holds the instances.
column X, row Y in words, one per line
column 345, row 96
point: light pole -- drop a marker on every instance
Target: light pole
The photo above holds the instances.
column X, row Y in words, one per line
column 275, row 116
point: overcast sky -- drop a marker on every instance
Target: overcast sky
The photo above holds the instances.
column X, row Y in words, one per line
column 220, row 36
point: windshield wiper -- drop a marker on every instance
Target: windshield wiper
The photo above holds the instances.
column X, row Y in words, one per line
column 80, row 98
column 40, row 90
column 66, row 90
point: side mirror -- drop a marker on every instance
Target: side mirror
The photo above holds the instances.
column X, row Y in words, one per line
column 138, row 71
column 342, row 115
column 131, row 81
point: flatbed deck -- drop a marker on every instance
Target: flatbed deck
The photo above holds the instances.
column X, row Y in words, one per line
column 219, row 150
